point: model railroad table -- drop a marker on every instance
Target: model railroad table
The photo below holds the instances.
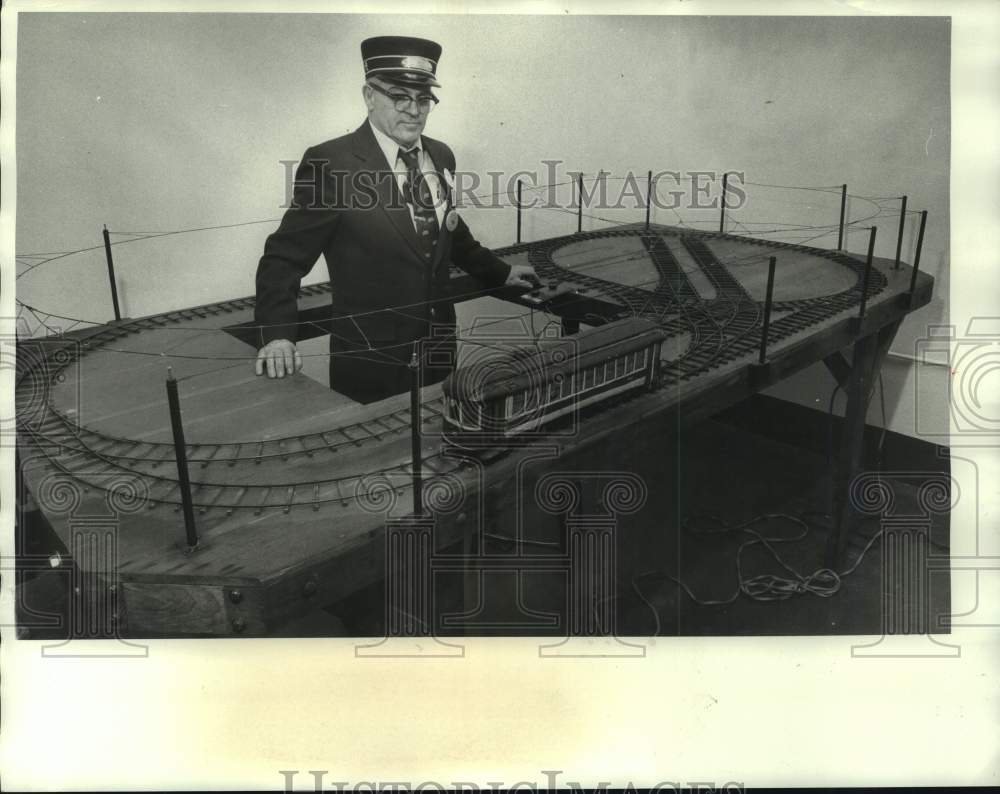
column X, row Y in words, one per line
column 298, row 493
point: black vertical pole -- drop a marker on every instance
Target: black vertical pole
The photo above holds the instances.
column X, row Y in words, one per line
column 579, row 202
column 768, row 300
column 843, row 210
column 519, row 210
column 916, row 256
column 180, row 451
column 722, row 215
column 111, row 273
column 868, row 273
column 649, row 194
column 418, row 501
column 899, row 241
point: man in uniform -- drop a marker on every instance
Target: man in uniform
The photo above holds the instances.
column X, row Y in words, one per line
column 377, row 203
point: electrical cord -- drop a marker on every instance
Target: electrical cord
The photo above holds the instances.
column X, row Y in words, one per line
column 823, row 582
column 549, row 544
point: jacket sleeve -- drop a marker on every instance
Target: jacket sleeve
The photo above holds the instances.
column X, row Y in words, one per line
column 472, row 257
column 292, row 250
column 475, row 259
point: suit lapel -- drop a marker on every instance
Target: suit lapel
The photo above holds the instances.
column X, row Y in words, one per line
column 389, row 197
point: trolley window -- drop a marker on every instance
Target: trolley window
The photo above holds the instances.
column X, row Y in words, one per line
column 517, row 403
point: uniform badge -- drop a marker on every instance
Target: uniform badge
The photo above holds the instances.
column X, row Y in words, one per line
column 416, row 62
column 451, row 220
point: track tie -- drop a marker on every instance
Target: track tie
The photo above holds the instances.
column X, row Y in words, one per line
column 202, row 509
column 106, row 450
column 395, row 417
column 168, row 456
column 340, row 494
column 196, row 489
column 170, row 492
column 205, row 461
column 263, row 500
column 145, row 448
column 236, row 502
column 434, row 413
column 356, row 441
column 376, row 434
column 74, row 457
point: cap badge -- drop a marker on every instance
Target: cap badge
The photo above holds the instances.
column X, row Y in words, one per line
column 416, row 62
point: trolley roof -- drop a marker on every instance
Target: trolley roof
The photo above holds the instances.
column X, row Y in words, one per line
column 531, row 366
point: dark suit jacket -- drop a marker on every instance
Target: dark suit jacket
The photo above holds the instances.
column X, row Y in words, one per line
column 386, row 293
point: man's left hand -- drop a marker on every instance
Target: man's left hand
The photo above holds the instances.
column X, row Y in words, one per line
column 522, row 276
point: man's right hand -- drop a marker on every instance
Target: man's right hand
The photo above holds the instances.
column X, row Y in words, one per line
column 279, row 357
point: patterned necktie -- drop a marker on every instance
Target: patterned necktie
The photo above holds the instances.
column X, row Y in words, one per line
column 417, row 193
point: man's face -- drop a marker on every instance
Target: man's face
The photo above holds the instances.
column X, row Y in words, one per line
column 403, row 126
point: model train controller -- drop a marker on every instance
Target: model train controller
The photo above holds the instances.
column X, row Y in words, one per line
column 541, row 294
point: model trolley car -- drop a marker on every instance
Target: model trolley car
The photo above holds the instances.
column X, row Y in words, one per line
column 525, row 388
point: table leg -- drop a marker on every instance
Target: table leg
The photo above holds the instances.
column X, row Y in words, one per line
column 869, row 351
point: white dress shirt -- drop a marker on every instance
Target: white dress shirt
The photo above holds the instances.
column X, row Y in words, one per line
column 391, row 151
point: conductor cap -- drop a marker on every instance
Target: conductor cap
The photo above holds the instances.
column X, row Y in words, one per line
column 401, row 59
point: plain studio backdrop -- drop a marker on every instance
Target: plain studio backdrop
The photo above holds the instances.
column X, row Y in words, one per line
column 153, row 123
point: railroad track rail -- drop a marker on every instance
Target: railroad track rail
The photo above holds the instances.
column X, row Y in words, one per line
column 719, row 330
column 723, row 328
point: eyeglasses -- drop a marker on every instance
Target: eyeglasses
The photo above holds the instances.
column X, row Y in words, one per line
column 424, row 102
